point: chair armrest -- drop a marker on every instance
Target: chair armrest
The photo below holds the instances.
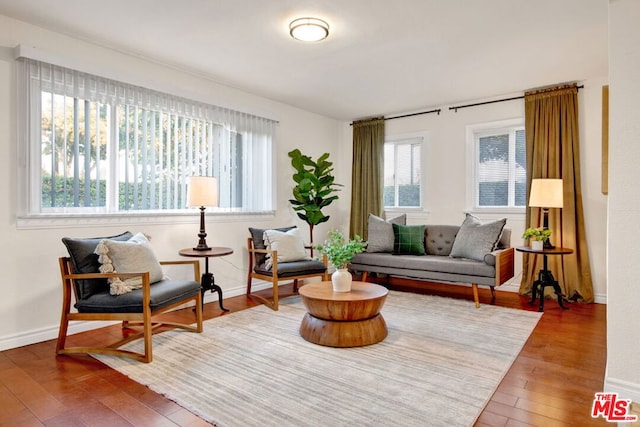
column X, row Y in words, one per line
column 504, row 265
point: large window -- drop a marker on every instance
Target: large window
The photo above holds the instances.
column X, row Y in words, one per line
column 500, row 166
column 101, row 146
column 402, row 172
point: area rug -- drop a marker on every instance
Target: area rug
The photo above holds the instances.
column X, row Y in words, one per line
column 439, row 366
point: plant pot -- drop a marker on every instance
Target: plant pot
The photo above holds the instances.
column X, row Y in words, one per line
column 341, row 280
column 537, row 245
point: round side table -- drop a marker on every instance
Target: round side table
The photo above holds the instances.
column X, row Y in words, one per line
column 208, row 282
column 545, row 277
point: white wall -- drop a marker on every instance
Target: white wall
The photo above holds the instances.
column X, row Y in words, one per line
column 623, row 246
column 31, row 289
column 446, row 173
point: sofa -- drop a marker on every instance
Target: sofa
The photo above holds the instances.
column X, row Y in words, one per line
column 474, row 253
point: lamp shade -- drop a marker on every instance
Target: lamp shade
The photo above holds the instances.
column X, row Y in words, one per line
column 546, row 193
column 202, row 191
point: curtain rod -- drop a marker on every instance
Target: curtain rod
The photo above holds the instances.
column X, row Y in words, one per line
column 409, row 115
column 456, row 108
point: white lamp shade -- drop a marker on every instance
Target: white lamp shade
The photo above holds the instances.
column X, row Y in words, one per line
column 546, row 193
column 202, row 191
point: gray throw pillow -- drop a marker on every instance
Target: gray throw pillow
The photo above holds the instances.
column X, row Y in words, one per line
column 475, row 239
column 380, row 233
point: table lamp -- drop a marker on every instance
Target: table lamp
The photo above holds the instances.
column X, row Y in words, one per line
column 546, row 193
column 202, row 192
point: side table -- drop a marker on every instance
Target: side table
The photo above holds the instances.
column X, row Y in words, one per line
column 208, row 282
column 545, row 277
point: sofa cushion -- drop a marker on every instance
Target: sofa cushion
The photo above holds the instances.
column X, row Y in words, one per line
column 475, row 239
column 439, row 238
column 428, row 263
column 408, row 239
column 84, row 260
column 380, row 233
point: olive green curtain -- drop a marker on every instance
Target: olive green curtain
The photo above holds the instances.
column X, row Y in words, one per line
column 367, row 174
column 552, row 141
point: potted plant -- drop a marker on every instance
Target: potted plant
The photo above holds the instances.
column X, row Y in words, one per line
column 314, row 188
column 539, row 236
column 340, row 251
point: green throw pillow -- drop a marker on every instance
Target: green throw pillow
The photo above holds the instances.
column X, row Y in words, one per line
column 408, row 239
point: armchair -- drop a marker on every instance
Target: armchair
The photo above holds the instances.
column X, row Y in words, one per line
column 137, row 309
column 265, row 263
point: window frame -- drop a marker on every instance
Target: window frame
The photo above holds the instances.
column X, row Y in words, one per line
column 473, row 133
column 400, row 139
column 30, row 212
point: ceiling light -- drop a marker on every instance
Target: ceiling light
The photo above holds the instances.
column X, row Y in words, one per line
column 309, row 29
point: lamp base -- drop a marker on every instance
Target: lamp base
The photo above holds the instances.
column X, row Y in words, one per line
column 201, row 248
column 547, row 245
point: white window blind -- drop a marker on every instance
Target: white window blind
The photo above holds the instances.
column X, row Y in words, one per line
column 98, row 145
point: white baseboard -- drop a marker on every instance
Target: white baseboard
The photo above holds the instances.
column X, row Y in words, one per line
column 625, row 389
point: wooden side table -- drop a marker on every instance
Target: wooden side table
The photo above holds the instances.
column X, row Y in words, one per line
column 545, row 277
column 343, row 319
column 208, row 282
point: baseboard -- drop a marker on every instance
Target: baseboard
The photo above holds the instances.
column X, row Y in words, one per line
column 625, row 389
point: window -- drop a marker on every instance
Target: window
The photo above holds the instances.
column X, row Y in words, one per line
column 500, row 166
column 402, row 173
column 101, row 146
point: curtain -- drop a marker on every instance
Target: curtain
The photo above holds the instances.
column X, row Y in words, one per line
column 367, row 174
column 552, row 144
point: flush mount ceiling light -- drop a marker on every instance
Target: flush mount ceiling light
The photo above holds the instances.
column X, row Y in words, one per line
column 309, row 29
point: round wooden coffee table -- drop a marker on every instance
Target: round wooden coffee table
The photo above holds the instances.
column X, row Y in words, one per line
column 343, row 319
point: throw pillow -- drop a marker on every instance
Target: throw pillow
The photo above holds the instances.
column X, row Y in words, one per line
column 380, row 233
column 408, row 239
column 84, row 260
column 289, row 244
column 475, row 239
column 133, row 256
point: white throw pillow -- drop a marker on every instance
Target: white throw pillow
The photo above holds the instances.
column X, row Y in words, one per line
column 289, row 244
column 135, row 255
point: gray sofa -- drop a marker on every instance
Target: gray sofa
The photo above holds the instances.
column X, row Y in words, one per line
column 437, row 263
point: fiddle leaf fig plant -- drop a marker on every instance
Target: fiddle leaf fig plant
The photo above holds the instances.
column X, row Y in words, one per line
column 315, row 188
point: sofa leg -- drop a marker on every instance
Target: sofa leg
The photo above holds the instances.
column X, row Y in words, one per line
column 364, row 276
column 476, row 298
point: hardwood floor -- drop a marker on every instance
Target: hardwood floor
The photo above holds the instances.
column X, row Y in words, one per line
column 551, row 383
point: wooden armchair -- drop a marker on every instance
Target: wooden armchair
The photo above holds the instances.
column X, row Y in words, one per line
column 136, row 309
column 279, row 271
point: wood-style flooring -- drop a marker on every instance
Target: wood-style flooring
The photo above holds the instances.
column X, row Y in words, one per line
column 551, row 383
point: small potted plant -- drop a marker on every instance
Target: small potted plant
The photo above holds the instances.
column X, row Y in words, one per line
column 538, row 235
column 340, row 251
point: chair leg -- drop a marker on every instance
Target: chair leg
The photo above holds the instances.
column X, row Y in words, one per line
column 275, row 295
column 295, row 285
column 148, row 336
column 198, row 313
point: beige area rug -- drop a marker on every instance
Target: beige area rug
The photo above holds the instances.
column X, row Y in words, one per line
column 439, row 366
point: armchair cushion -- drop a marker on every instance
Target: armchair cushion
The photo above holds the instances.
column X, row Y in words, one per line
column 257, row 236
column 84, row 260
column 294, row 268
column 136, row 255
column 289, row 245
column 163, row 293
